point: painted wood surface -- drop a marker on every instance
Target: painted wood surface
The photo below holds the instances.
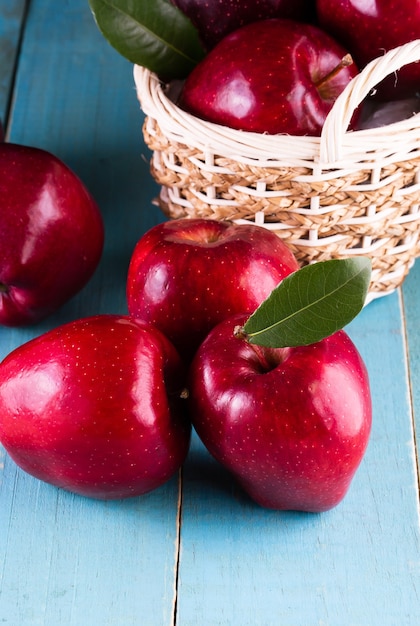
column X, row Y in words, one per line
column 196, row 552
column 12, row 14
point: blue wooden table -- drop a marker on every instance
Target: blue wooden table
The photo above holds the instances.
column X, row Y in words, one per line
column 195, row 552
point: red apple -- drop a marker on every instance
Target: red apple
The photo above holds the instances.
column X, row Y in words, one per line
column 272, row 76
column 51, row 234
column 369, row 29
column 187, row 275
column 376, row 113
column 93, row 407
column 291, row 424
column 214, row 19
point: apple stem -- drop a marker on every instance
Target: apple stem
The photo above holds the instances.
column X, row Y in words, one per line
column 240, row 333
column 3, row 288
column 345, row 62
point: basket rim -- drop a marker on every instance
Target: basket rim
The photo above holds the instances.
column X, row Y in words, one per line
column 335, row 148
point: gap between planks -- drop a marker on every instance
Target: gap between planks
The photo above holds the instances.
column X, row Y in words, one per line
column 177, row 547
column 9, row 101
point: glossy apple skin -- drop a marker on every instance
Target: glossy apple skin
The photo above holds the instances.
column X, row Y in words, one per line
column 215, row 19
column 370, row 28
column 292, row 425
column 262, row 78
column 185, row 276
column 51, row 234
column 93, row 407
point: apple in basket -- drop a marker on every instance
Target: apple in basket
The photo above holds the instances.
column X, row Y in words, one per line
column 187, row 275
column 289, row 415
column 214, row 19
column 272, row 76
column 369, row 29
column 51, row 234
column 94, row 407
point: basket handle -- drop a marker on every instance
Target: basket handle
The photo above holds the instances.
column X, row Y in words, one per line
column 338, row 119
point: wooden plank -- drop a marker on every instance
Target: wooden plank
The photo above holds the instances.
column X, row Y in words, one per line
column 11, row 18
column 411, row 298
column 355, row 565
column 65, row 559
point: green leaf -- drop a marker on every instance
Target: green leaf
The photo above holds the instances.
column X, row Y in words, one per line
column 151, row 33
column 310, row 304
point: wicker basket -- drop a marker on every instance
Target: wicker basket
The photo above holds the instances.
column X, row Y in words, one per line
column 341, row 194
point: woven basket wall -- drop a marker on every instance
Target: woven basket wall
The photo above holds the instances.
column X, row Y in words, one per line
column 334, row 196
